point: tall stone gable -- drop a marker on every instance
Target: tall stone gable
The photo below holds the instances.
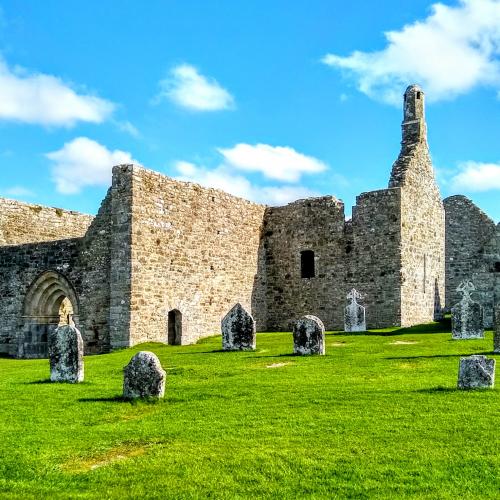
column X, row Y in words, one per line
column 422, row 218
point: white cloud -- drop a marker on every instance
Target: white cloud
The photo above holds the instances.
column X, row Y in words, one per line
column 274, row 162
column 84, row 162
column 188, row 88
column 223, row 177
column 452, row 51
column 127, row 127
column 475, row 176
column 20, row 191
column 46, row 100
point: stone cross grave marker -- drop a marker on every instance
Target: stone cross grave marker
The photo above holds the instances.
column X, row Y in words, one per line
column 308, row 336
column 354, row 313
column 238, row 330
column 65, row 347
column 144, row 377
column 476, row 372
column 467, row 315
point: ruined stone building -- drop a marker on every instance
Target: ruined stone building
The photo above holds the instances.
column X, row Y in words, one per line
column 165, row 260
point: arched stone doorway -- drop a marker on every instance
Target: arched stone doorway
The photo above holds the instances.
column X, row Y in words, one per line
column 174, row 327
column 51, row 301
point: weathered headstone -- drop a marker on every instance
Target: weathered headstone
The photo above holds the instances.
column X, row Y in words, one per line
column 476, row 372
column 309, row 336
column 467, row 315
column 238, row 330
column 65, row 347
column 496, row 333
column 144, row 377
column 354, row 313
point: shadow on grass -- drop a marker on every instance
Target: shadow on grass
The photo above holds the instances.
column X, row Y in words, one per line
column 441, row 327
column 290, row 355
column 204, row 352
column 114, row 399
column 442, row 356
column 438, row 389
column 42, row 381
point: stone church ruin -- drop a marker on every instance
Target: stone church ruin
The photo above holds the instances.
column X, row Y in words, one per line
column 165, row 260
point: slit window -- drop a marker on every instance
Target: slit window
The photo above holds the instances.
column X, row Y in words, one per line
column 307, row 266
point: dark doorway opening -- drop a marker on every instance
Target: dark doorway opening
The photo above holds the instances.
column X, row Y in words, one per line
column 174, row 327
column 307, row 268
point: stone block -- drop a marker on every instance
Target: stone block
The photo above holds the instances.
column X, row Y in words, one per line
column 308, row 336
column 476, row 372
column 238, row 330
column 65, row 347
column 144, row 377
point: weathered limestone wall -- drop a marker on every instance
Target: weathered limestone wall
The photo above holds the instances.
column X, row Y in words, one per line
column 26, row 223
column 468, row 231
column 422, row 219
column 83, row 265
column 192, row 249
column 315, row 224
column 372, row 256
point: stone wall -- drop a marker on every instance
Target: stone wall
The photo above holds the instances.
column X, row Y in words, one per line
column 373, row 258
column 26, row 223
column 315, row 224
column 78, row 268
column 193, row 250
column 468, row 231
column 422, row 219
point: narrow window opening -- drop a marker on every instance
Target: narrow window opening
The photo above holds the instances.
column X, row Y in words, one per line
column 425, row 271
column 497, row 267
column 307, row 267
column 418, row 95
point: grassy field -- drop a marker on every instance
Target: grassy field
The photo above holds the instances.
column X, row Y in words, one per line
column 377, row 417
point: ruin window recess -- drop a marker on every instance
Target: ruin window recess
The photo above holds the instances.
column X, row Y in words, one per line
column 307, row 265
column 418, row 95
column 497, row 267
column 425, row 271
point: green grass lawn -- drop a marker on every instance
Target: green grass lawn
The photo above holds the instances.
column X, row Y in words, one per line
column 377, row 417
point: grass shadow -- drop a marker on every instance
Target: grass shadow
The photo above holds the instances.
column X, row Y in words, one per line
column 438, row 389
column 291, row 355
column 441, row 356
column 42, row 381
column 203, row 352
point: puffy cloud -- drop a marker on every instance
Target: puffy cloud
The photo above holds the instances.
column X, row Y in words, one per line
column 188, row 88
column 46, row 100
column 18, row 191
column 475, row 176
column 84, row 162
column 223, row 177
column 274, row 162
column 452, row 51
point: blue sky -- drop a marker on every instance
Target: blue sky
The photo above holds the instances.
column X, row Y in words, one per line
column 271, row 100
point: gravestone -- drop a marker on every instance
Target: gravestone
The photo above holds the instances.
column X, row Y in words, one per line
column 476, row 372
column 238, row 330
column 467, row 315
column 65, row 346
column 144, row 377
column 354, row 313
column 496, row 333
column 308, row 336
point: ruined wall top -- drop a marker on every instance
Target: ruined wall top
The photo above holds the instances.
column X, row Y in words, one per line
column 27, row 223
column 414, row 126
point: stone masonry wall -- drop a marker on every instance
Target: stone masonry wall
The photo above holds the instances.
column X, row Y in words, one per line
column 83, row 262
column 472, row 253
column 422, row 249
column 26, row 223
column 193, row 250
column 315, row 224
column 422, row 219
column 468, row 230
column 372, row 256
